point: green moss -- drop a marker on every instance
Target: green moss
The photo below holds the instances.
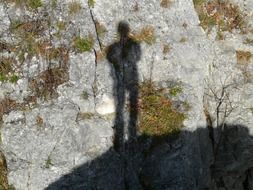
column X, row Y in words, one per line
column 11, row 187
column 175, row 91
column 198, row 2
column 83, row 44
column 91, row 3
column 14, row 78
column 34, row 4
column 158, row 117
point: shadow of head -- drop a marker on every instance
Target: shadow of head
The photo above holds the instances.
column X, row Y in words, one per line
column 123, row 28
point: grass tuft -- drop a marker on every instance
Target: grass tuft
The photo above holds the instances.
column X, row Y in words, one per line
column 222, row 14
column 74, row 7
column 83, row 44
column 165, row 3
column 157, row 115
column 91, row 3
column 147, row 34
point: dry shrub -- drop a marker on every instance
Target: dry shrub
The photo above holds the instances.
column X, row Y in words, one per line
column 147, row 34
column 243, row 57
column 6, row 106
column 223, row 14
column 34, row 27
column 6, row 65
column 44, row 86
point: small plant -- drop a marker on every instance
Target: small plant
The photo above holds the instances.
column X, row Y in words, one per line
column 34, row 4
column 183, row 39
column 48, row 163
column 84, row 116
column 61, row 25
column 74, row 7
column 39, row 121
column 166, row 48
column 248, row 41
column 11, row 187
column 83, row 44
column 7, row 71
column 14, row 79
column 174, row 91
column 147, row 34
column 91, row 3
column 165, row 3
column 54, row 4
column 101, row 30
column 44, row 86
column 30, row 4
column 157, row 115
column 198, row 2
column 222, row 14
column 85, row 95
column 243, row 57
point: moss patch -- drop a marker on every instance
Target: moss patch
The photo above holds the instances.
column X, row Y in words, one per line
column 83, row 44
column 157, row 115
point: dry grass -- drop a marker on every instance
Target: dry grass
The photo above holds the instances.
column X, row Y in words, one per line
column 101, row 29
column 147, row 34
column 7, row 72
column 74, row 7
column 183, row 39
column 45, row 85
column 84, row 116
column 23, row 29
column 220, row 13
column 165, row 3
column 157, row 115
column 6, row 106
column 39, row 121
column 166, row 48
column 3, row 173
column 30, row 4
column 243, row 57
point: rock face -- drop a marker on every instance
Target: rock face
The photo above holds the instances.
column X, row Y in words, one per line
column 58, row 105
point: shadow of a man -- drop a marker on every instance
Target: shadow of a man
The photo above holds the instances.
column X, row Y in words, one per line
column 124, row 56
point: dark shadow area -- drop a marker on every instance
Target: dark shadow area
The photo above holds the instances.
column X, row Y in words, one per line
column 186, row 163
column 124, row 55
